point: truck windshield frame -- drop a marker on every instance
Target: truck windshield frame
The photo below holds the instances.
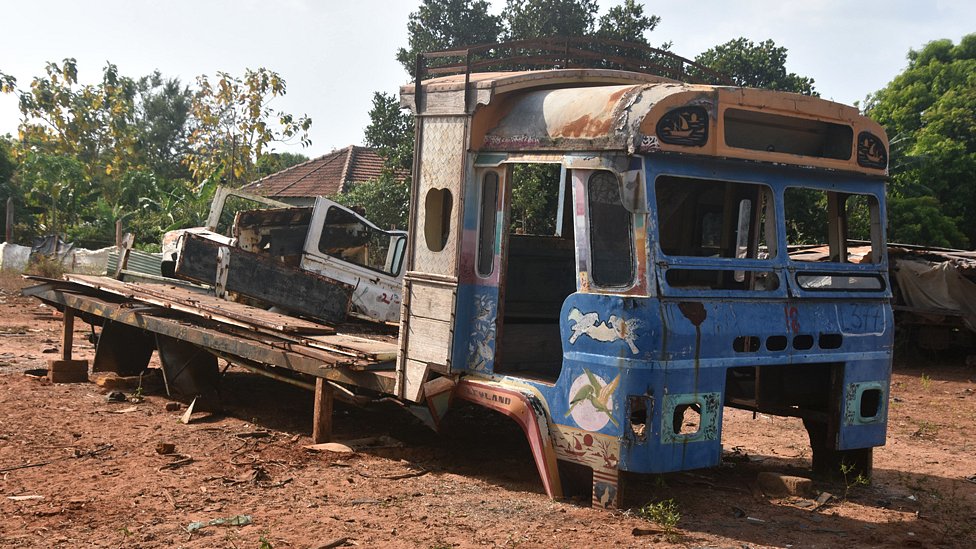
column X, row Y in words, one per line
column 767, row 267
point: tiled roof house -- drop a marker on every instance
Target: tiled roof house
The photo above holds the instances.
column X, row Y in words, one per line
column 326, row 175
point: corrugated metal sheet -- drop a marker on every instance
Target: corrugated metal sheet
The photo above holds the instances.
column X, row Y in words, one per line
column 140, row 262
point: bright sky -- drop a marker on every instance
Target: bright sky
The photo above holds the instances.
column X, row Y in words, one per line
column 334, row 55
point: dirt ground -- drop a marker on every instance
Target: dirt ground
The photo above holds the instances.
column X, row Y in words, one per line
column 79, row 471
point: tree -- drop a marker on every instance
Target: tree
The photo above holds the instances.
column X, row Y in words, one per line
column 754, row 65
column 75, row 144
column 929, row 113
column 526, row 19
column 390, row 132
column 920, row 220
column 270, row 163
column 535, row 198
column 8, row 164
column 54, row 189
column 385, row 201
column 234, row 123
column 163, row 119
column 444, row 24
column 627, row 22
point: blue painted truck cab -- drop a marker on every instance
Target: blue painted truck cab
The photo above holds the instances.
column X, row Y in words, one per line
column 702, row 247
column 636, row 366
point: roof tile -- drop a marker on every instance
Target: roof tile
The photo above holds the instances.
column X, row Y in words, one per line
column 323, row 176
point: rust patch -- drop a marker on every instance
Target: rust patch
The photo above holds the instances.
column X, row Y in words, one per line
column 615, row 96
column 586, row 126
column 693, row 311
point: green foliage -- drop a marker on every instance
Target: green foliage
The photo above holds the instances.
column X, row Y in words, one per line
column 627, row 22
column 234, row 123
column 385, row 201
column 921, row 220
column 851, row 480
column 54, row 187
column 929, row 113
column 535, row 198
column 926, row 382
column 125, row 149
column 270, row 163
column 8, row 165
column 544, row 18
column 663, row 513
column 390, row 132
column 443, row 24
column 761, row 65
column 78, row 150
column 806, row 216
column 163, row 117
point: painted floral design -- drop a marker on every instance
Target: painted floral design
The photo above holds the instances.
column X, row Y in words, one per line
column 481, row 346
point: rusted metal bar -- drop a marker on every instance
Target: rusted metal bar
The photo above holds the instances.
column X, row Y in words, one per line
column 565, row 52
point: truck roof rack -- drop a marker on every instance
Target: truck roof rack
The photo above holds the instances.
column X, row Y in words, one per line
column 560, row 52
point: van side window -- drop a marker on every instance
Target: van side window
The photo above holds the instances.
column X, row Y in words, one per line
column 611, row 232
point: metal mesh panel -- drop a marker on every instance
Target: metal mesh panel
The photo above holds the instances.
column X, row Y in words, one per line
column 441, row 167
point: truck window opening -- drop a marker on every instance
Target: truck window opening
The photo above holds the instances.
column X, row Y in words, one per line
column 346, row 237
column 611, row 232
column 848, row 224
column 716, row 219
column 437, row 221
column 760, row 131
column 486, row 224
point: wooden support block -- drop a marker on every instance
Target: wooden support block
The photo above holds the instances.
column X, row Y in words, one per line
column 322, row 417
column 414, row 377
column 67, row 336
column 67, row 371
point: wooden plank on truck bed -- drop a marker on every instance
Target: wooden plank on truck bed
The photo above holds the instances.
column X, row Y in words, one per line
column 368, row 348
column 200, row 304
column 266, row 279
column 223, row 340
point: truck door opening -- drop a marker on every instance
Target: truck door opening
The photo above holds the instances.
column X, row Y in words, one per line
column 539, row 271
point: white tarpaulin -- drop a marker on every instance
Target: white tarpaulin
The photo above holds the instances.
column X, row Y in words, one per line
column 936, row 287
column 14, row 257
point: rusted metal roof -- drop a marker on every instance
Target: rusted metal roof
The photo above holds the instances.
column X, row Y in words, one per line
column 326, row 175
column 565, row 110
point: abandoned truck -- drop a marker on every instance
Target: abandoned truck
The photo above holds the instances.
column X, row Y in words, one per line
column 663, row 293
column 326, row 239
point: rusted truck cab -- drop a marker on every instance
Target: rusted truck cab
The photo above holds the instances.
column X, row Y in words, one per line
column 663, row 289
